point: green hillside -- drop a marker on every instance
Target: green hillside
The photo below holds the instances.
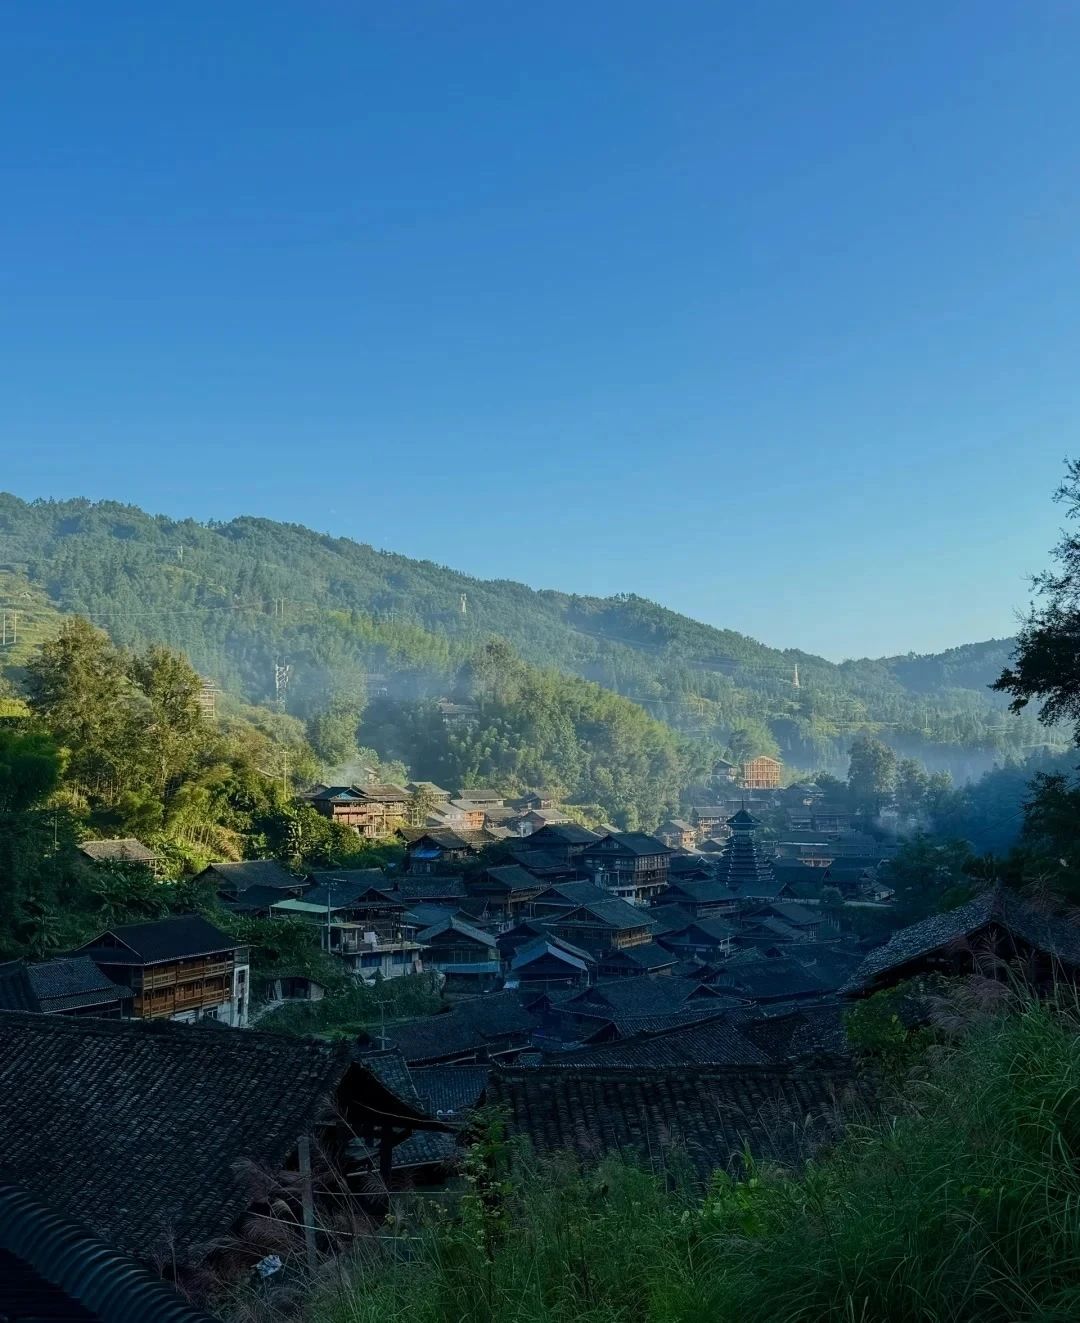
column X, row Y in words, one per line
column 250, row 596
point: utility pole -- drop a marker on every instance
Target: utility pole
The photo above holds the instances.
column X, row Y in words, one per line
column 9, row 627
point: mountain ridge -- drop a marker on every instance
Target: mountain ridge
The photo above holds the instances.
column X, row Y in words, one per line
column 237, row 595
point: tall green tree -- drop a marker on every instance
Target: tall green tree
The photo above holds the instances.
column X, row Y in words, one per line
column 871, row 773
column 79, row 687
column 332, row 734
column 1046, row 663
column 912, row 785
column 174, row 731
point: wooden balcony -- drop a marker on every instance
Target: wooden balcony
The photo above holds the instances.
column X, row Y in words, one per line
column 178, row 1000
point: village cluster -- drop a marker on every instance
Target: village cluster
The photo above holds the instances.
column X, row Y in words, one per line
column 682, row 993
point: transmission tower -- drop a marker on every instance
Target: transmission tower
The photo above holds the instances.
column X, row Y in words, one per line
column 282, row 671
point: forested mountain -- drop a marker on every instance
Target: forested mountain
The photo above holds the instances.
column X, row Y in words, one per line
column 274, row 610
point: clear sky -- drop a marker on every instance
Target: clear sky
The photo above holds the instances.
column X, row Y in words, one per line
column 768, row 311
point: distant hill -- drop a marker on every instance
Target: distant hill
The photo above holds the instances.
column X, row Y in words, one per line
column 248, row 596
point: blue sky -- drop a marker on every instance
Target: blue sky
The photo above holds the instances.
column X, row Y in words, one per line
column 768, row 312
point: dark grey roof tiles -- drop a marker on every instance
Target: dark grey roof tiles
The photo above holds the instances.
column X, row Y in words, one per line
column 1057, row 937
column 159, row 940
column 136, row 1128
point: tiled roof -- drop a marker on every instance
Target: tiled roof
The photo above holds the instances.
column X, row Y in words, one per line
column 423, row 1147
column 74, row 981
column 810, row 1032
column 52, row 1268
column 126, row 850
column 802, row 916
column 469, row 1027
column 717, row 931
column 668, row 918
column 345, row 888
column 158, row 940
column 513, row 878
column 541, row 946
column 562, row 833
column 765, row 888
column 629, row 1026
column 540, row 862
column 712, row 1115
column 253, row 899
column 421, row 886
column 456, row 925
column 645, row 957
column 385, row 794
column 332, row 794
column 450, row 1089
column 136, row 1128
column 1056, row 937
column 611, row 913
column 637, row 842
column 706, row 1042
column 777, row 980
column 635, row 996
column 573, row 893
column 705, row 892
column 423, row 915
column 413, row 786
column 250, row 873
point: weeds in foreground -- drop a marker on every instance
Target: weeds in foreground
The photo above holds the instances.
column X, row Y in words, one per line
column 959, row 1200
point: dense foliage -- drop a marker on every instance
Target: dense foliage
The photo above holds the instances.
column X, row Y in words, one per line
column 242, row 597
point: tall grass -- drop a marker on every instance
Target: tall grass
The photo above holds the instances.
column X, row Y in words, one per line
column 960, row 1200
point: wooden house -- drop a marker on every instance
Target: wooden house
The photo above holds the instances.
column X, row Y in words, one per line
column 568, row 840
column 360, row 921
column 482, row 795
column 546, row 962
column 341, row 804
column 181, row 968
column 678, row 834
column 507, row 889
column 603, row 925
column 436, row 792
column 646, row 958
column 761, row 773
column 467, row 956
column 472, row 814
column 709, row 819
column 707, row 899
column 704, row 939
column 431, row 850
column 631, row 865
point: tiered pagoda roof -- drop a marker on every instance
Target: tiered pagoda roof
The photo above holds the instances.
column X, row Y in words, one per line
column 743, row 865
